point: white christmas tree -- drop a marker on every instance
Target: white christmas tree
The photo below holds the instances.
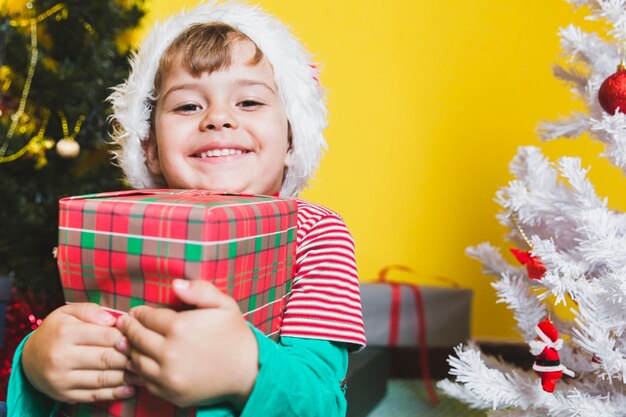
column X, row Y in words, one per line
column 553, row 209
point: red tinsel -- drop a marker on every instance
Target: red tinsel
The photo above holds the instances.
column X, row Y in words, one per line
column 24, row 314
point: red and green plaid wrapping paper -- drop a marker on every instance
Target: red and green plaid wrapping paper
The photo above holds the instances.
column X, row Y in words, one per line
column 123, row 249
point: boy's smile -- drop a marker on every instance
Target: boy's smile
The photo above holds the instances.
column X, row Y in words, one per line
column 225, row 131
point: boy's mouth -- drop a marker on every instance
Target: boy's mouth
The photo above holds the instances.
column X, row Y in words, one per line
column 212, row 153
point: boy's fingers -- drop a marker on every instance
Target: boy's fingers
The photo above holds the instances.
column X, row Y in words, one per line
column 93, row 379
column 102, row 394
column 90, row 312
column 139, row 337
column 145, row 366
column 87, row 334
column 99, row 358
column 199, row 293
column 156, row 319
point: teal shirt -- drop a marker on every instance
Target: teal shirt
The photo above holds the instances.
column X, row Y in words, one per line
column 297, row 377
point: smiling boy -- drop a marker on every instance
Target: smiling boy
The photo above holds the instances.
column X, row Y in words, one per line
column 221, row 98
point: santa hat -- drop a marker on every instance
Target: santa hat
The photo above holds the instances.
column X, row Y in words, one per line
column 548, row 337
column 547, row 331
column 295, row 75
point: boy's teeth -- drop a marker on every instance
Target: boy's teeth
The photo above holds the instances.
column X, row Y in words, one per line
column 221, row 152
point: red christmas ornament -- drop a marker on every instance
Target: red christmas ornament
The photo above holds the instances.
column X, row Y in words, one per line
column 534, row 266
column 5, row 107
column 612, row 93
column 546, row 349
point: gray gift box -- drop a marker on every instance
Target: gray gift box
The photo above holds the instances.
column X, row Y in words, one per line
column 446, row 315
column 6, row 283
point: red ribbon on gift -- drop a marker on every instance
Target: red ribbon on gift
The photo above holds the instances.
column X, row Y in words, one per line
column 394, row 324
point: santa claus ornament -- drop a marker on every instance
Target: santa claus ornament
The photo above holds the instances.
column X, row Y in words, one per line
column 546, row 349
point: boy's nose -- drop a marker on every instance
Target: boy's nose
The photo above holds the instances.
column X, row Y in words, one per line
column 217, row 119
column 211, row 126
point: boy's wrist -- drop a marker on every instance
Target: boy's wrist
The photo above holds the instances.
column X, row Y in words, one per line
column 249, row 369
column 27, row 365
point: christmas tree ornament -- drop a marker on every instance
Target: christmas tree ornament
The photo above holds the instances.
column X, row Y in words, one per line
column 546, row 349
column 612, row 93
column 534, row 266
column 4, row 108
column 5, row 78
column 68, row 148
column 38, row 148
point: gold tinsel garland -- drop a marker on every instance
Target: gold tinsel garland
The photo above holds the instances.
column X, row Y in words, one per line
column 38, row 144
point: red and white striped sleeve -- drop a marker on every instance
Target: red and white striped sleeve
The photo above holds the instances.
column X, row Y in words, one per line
column 325, row 302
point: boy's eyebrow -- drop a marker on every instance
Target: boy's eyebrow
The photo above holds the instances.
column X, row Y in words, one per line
column 239, row 83
column 248, row 83
column 177, row 87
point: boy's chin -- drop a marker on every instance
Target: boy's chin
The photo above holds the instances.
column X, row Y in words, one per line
column 226, row 185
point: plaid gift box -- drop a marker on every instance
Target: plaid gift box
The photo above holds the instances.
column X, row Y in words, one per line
column 123, row 249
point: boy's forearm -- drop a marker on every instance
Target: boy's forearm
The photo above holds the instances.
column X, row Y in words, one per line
column 298, row 377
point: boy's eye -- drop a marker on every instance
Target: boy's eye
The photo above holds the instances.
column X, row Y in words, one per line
column 249, row 104
column 187, row 108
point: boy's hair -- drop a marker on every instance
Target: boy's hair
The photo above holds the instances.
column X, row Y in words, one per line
column 294, row 73
column 203, row 47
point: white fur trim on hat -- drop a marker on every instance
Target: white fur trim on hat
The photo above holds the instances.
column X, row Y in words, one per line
column 295, row 76
column 554, row 344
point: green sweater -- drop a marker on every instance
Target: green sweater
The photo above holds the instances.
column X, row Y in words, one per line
column 297, row 377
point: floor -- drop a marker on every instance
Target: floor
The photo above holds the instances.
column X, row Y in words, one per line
column 407, row 398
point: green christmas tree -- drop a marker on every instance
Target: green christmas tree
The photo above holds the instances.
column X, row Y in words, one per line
column 58, row 62
column 65, row 57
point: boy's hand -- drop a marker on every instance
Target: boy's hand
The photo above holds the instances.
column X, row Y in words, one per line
column 197, row 356
column 72, row 358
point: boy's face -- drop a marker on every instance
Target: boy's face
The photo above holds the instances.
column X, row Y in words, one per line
column 226, row 131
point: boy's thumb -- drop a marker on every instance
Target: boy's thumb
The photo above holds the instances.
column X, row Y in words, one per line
column 199, row 293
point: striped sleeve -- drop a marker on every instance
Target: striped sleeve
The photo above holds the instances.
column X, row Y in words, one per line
column 325, row 302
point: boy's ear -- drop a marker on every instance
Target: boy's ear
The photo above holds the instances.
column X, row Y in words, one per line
column 152, row 154
column 288, row 157
column 289, row 154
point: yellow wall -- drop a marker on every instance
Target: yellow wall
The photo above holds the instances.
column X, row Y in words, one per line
column 429, row 102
